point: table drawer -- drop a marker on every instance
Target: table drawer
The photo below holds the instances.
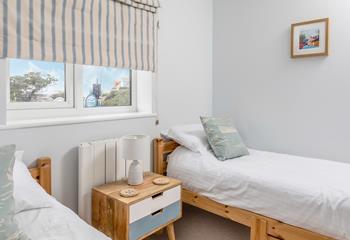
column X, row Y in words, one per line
column 154, row 203
column 154, row 220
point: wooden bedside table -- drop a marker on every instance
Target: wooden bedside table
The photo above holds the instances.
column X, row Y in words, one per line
column 154, row 208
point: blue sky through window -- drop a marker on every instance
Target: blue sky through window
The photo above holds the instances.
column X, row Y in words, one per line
column 21, row 67
column 108, row 77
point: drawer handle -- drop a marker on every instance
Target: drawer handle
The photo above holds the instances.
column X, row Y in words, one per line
column 157, row 195
column 157, row 212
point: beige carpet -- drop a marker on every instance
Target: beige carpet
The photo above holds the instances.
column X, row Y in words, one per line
column 197, row 224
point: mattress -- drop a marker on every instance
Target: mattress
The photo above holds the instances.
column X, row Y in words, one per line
column 56, row 223
column 313, row 194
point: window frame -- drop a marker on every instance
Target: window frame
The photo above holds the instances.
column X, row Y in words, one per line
column 79, row 104
column 73, row 107
column 69, row 91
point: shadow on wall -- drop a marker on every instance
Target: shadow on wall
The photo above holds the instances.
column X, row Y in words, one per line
column 70, row 163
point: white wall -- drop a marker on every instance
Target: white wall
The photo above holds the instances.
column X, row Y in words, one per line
column 60, row 142
column 185, row 61
column 184, row 89
column 297, row 106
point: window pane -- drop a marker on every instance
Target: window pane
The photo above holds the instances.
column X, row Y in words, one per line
column 36, row 81
column 106, row 87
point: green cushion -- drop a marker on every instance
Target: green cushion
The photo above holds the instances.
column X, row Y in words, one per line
column 224, row 138
column 8, row 227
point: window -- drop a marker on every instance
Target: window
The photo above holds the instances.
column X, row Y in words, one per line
column 47, row 90
column 36, row 84
column 106, row 87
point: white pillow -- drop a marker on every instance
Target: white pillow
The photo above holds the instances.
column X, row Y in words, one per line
column 28, row 194
column 191, row 136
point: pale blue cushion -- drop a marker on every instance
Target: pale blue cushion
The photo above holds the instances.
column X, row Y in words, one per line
column 8, row 227
column 224, row 138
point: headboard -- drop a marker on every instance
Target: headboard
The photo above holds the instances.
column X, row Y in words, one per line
column 161, row 149
column 42, row 173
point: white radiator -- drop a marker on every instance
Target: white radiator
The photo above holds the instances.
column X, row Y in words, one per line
column 100, row 162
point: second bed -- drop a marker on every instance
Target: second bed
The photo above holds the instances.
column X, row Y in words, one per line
column 308, row 193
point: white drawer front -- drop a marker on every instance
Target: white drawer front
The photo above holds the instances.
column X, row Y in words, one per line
column 153, row 204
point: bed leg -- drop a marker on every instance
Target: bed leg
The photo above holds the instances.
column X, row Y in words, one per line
column 258, row 229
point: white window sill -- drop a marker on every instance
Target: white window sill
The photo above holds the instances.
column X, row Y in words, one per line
column 74, row 120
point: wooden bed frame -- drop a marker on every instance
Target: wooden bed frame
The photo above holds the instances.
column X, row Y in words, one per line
column 42, row 173
column 261, row 227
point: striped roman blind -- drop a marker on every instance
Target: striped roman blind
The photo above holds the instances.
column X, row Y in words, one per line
column 148, row 5
column 113, row 33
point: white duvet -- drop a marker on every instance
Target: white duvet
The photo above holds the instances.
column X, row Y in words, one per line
column 310, row 193
column 56, row 223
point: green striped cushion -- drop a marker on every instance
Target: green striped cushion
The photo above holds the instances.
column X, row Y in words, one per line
column 224, row 138
column 8, row 227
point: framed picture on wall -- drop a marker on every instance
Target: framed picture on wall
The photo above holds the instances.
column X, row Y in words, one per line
column 310, row 38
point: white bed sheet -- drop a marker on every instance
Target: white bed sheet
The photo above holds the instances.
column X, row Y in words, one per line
column 304, row 192
column 56, row 223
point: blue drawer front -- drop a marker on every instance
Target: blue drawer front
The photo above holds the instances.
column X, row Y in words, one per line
column 147, row 224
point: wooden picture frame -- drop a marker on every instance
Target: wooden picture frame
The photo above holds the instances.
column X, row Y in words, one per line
column 310, row 38
column 261, row 227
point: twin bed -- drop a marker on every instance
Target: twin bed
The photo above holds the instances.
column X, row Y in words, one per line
column 56, row 222
column 278, row 196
